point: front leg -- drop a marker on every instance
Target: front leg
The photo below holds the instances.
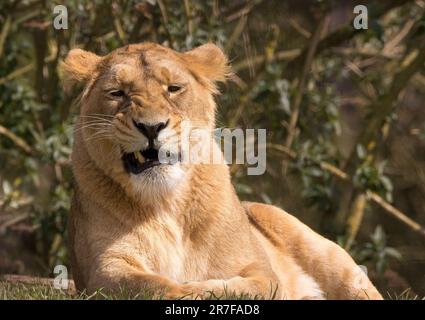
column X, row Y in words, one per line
column 252, row 281
column 118, row 272
column 125, row 274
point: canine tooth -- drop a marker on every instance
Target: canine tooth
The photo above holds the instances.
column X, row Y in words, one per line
column 139, row 156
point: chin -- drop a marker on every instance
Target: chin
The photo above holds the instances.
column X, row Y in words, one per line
column 158, row 183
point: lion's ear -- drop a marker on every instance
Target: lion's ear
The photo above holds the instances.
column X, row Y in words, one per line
column 209, row 61
column 78, row 66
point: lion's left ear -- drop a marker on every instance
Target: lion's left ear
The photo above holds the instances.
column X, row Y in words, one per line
column 210, row 62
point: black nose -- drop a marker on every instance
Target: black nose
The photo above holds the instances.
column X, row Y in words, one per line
column 150, row 131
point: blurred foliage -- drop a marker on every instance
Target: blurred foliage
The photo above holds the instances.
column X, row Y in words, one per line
column 344, row 83
column 377, row 252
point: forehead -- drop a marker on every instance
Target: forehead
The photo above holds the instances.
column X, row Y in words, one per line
column 126, row 66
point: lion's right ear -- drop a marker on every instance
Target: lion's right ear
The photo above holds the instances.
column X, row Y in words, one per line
column 78, row 67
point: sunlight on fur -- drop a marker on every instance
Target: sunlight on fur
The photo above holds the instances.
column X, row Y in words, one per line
column 178, row 228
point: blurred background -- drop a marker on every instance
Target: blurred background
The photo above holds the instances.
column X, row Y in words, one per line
column 343, row 108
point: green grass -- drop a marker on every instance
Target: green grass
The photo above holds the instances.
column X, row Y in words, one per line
column 405, row 295
column 20, row 291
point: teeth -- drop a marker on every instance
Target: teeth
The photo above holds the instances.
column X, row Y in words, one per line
column 139, row 156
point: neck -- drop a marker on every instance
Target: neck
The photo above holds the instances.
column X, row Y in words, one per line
column 206, row 186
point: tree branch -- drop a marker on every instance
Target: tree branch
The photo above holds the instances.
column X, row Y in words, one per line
column 279, row 56
column 302, row 80
column 17, row 140
column 388, row 208
column 347, row 32
column 395, row 212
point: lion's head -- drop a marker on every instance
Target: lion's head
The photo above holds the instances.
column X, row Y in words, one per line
column 133, row 103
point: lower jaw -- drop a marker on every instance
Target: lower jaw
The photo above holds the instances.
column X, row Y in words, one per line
column 133, row 166
column 143, row 167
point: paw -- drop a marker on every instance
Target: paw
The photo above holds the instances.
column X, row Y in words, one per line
column 201, row 289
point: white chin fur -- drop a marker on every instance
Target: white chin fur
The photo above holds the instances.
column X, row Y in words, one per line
column 156, row 183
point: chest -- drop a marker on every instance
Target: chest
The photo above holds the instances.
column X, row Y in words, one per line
column 162, row 248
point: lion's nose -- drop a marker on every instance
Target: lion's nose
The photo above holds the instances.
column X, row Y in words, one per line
column 150, row 131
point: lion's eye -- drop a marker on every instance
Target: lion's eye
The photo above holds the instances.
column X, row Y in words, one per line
column 117, row 93
column 173, row 88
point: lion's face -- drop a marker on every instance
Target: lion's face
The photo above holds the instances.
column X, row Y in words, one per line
column 134, row 104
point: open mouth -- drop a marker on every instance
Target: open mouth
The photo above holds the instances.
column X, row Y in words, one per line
column 139, row 161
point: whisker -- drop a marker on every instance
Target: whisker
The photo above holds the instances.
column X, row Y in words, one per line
column 99, row 133
column 98, row 137
column 94, row 121
column 99, row 115
column 96, row 114
column 92, row 126
column 97, row 118
column 104, row 124
column 103, row 115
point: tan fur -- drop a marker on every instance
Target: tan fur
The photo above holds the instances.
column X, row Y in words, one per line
column 180, row 229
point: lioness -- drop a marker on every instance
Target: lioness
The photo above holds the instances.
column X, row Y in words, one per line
column 179, row 229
